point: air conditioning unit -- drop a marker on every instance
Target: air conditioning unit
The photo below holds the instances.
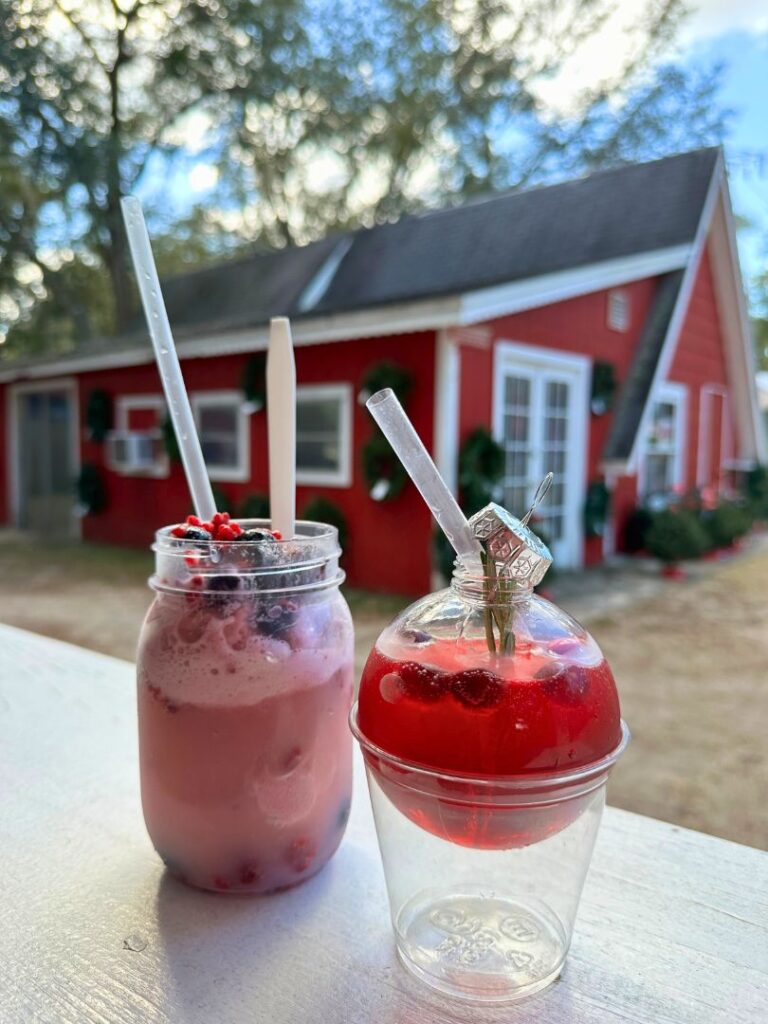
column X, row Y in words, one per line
column 135, row 451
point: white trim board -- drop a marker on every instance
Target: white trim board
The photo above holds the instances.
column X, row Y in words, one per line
column 71, row 387
column 398, row 318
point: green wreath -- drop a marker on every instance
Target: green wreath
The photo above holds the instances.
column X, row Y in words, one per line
column 98, row 415
column 387, row 375
column 596, row 508
column 481, row 465
column 382, row 470
column 604, row 386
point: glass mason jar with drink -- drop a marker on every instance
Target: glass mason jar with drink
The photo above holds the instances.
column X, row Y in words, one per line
column 488, row 720
column 244, row 687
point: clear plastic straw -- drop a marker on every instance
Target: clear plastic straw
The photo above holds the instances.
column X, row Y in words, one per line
column 167, row 360
column 416, row 460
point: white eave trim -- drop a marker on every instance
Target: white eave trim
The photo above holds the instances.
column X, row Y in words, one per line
column 398, row 318
column 504, row 299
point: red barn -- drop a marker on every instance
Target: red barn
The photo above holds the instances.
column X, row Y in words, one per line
column 518, row 313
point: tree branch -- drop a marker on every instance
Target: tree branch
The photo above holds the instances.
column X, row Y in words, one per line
column 81, row 32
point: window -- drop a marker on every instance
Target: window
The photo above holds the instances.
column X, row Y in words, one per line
column 324, row 434
column 224, row 432
column 135, row 447
column 618, row 310
column 662, row 468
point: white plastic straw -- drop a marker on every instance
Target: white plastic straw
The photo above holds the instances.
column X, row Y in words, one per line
column 281, row 417
column 398, row 430
column 167, row 360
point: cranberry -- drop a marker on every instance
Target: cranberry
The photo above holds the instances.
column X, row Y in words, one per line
column 300, row 854
column 566, row 684
column 422, row 683
column 477, row 688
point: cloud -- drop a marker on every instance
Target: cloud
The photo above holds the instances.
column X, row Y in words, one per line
column 203, row 177
column 710, row 18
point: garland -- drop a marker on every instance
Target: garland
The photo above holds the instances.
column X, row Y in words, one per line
column 386, row 375
column 98, row 415
column 481, row 465
column 322, row 510
column 170, row 443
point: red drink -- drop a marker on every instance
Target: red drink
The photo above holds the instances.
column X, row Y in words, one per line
column 450, row 706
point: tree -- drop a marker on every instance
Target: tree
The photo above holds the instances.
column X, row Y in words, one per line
column 318, row 114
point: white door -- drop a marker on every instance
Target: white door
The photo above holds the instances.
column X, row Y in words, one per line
column 541, row 419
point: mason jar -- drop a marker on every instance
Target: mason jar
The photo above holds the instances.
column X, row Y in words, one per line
column 244, row 678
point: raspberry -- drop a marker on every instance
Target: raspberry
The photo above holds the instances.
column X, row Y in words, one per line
column 422, row 683
column 300, row 854
column 194, row 521
column 225, row 532
column 209, row 527
column 236, row 528
column 477, row 688
column 179, row 531
column 225, row 517
column 217, row 520
column 276, row 534
column 567, row 685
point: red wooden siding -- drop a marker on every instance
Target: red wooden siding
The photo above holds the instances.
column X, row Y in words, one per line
column 700, row 360
column 576, row 325
column 389, row 545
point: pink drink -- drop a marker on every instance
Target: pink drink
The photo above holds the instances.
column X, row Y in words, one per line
column 243, row 699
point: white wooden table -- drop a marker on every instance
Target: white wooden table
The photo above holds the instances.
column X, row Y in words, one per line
column 673, row 926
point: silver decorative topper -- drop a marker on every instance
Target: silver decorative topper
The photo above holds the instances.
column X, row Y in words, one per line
column 516, row 550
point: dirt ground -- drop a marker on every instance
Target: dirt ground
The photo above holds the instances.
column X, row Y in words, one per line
column 690, row 659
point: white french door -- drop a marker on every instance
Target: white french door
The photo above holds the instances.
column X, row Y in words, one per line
column 541, row 420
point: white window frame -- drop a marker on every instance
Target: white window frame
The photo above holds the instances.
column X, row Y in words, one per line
column 511, row 357
column 675, row 394
column 241, row 472
column 124, row 405
column 341, row 477
column 619, row 310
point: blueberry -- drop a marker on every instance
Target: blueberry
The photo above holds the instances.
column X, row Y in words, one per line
column 273, row 618
column 220, row 603
column 258, row 535
column 196, row 533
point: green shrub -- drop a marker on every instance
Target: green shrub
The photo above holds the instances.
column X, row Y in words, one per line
column 91, row 490
column 674, row 535
column 725, row 523
column 636, row 530
column 321, row 510
column 756, row 491
column 254, row 506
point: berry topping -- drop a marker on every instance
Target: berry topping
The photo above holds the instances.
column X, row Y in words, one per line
column 477, row 688
column 566, row 685
column 225, row 532
column 228, row 582
column 277, row 535
column 300, row 854
column 257, row 534
column 249, row 873
column 422, row 683
column 194, row 521
column 272, row 618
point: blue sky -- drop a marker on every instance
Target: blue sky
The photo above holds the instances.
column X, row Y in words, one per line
column 745, row 55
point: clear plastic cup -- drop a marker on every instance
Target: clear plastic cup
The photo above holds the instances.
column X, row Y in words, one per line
column 493, row 922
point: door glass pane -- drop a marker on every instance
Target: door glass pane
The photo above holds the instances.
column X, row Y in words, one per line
column 517, row 443
column 557, row 396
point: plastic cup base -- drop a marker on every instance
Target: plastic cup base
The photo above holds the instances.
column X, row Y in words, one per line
column 480, row 947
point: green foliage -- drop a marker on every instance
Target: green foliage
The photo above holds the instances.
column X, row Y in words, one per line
column 636, row 528
column 481, row 465
column 94, row 94
column 756, row 491
column 170, row 442
column 254, row 506
column 389, row 375
column 726, row 523
column 98, row 414
column 603, row 387
column 676, row 534
column 322, row 510
column 255, row 379
column 379, row 462
column 91, row 490
column 220, row 498
column 596, row 506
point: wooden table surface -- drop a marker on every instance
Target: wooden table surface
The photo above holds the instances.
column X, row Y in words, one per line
column 673, row 925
